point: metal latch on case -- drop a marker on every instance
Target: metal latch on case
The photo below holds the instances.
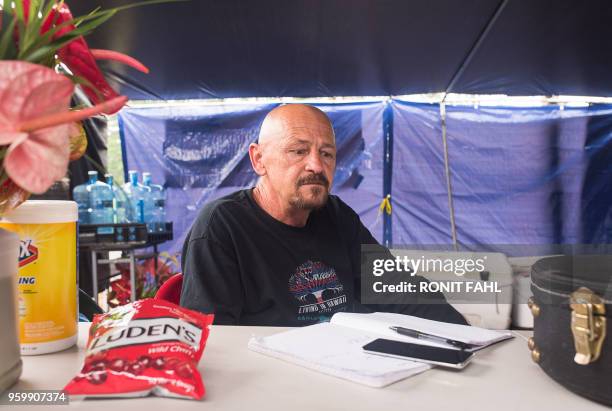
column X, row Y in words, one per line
column 588, row 325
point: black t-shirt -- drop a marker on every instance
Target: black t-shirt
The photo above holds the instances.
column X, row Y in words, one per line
column 251, row 269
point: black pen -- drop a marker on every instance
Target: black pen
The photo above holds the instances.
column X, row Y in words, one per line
column 424, row 336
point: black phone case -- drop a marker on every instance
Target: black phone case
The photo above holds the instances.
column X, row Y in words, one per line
column 443, row 355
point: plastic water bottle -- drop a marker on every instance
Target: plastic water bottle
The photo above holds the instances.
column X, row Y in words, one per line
column 149, row 217
column 80, row 194
column 158, row 206
column 136, row 194
column 119, row 201
column 101, row 200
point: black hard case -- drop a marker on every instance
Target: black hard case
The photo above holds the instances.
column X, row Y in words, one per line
column 554, row 279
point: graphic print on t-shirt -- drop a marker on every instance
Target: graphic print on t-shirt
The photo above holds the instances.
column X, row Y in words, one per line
column 317, row 288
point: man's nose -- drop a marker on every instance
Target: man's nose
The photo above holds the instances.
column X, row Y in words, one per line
column 314, row 163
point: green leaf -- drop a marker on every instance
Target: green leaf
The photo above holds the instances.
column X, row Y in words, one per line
column 34, row 26
column 94, row 11
column 27, row 34
column 37, row 48
column 44, row 53
column 145, row 3
column 47, row 38
column 51, row 48
column 20, row 29
column 43, row 40
column 19, row 10
column 87, row 28
column 77, row 21
column 46, row 10
column 33, row 11
column 7, row 47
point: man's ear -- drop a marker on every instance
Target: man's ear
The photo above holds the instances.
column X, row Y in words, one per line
column 256, row 154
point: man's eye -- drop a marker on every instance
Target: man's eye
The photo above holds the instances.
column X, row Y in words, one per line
column 327, row 154
column 299, row 152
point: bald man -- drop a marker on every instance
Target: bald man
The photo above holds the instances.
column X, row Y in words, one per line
column 286, row 252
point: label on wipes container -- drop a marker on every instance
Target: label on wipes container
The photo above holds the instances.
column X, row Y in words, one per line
column 47, row 293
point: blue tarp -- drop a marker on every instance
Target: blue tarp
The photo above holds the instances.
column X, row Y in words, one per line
column 420, row 205
column 199, row 153
column 517, row 175
column 536, row 175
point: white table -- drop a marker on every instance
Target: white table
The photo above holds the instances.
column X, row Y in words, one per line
column 501, row 378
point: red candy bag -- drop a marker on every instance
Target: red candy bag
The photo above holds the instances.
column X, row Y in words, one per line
column 147, row 347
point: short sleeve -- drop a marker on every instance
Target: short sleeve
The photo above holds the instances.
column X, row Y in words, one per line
column 211, row 280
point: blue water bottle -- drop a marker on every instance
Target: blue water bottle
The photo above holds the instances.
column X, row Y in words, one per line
column 101, row 201
column 80, row 194
column 136, row 194
column 158, row 203
column 119, row 201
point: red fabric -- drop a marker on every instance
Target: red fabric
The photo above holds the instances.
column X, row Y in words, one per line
column 171, row 289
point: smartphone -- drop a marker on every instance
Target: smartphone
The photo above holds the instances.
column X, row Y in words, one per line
column 444, row 357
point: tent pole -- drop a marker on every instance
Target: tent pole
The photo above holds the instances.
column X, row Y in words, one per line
column 387, row 173
column 449, row 88
column 124, row 158
column 449, row 191
column 483, row 35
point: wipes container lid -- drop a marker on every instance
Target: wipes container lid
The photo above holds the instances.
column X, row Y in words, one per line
column 43, row 212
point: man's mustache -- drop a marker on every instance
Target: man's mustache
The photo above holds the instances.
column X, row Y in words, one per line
column 313, row 179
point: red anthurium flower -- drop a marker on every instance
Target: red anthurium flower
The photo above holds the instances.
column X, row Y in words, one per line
column 35, row 123
column 81, row 61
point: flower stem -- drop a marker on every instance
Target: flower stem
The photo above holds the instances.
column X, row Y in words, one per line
column 51, row 120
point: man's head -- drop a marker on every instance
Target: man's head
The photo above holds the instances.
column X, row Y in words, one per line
column 295, row 156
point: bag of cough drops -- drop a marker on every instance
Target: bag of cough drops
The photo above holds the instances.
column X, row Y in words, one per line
column 146, row 347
